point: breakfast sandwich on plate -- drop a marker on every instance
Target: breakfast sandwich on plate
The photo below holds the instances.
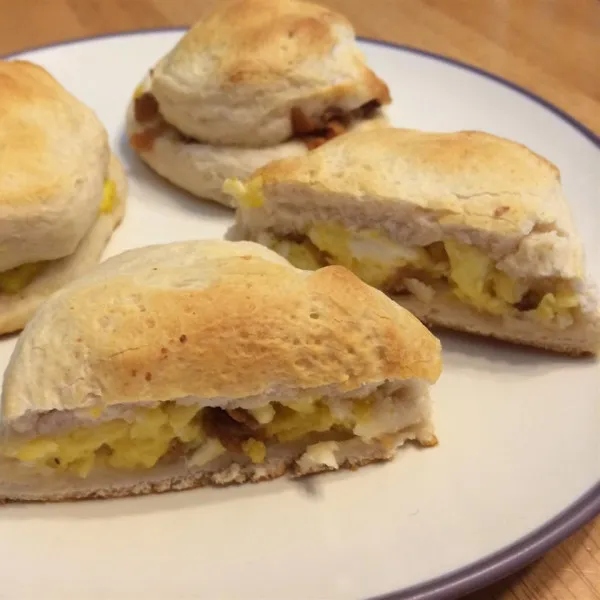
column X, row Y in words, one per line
column 254, row 81
column 466, row 230
column 196, row 363
column 62, row 191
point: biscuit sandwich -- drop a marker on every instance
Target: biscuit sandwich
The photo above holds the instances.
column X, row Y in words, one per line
column 212, row 362
column 466, row 230
column 255, row 81
column 62, row 191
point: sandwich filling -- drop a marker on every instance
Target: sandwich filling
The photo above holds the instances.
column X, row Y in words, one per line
column 18, row 278
column 312, row 132
column 170, row 431
column 446, row 267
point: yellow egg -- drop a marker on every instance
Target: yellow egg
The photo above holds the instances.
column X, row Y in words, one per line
column 147, row 422
column 473, row 273
column 290, row 425
column 249, row 195
column 179, row 416
column 14, row 280
column 83, row 466
column 109, row 197
column 362, row 409
column 305, row 407
column 139, row 444
column 372, row 272
column 35, row 450
column 299, row 254
column 210, row 450
column 139, row 91
column 476, row 278
column 370, row 254
column 192, row 432
column 263, row 414
column 333, row 239
column 508, row 289
column 567, row 299
column 143, row 453
column 102, row 433
column 469, row 268
column 557, row 305
column 255, row 450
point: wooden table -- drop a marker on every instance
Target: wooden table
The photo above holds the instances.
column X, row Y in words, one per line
column 551, row 47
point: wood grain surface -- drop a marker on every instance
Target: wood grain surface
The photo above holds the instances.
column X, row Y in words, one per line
column 551, row 47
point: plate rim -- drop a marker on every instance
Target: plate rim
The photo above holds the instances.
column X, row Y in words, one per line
column 523, row 551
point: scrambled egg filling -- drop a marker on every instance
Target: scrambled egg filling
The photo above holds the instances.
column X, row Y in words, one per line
column 248, row 195
column 140, row 90
column 15, row 280
column 385, row 264
column 371, row 255
column 109, row 197
column 154, row 432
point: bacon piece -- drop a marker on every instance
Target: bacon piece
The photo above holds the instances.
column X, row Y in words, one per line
column 334, row 122
column 145, row 108
column 143, row 141
column 368, row 110
column 335, row 127
column 243, row 416
column 231, row 433
column 530, row 301
column 301, row 124
column 313, row 141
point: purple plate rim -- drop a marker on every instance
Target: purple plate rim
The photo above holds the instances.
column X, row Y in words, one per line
column 524, row 551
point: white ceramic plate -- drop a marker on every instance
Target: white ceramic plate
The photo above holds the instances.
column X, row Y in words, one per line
column 518, row 463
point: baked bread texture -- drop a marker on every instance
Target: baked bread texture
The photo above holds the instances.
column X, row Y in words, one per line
column 255, row 81
column 236, row 77
column 467, row 230
column 212, row 362
column 61, row 196
column 200, row 168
